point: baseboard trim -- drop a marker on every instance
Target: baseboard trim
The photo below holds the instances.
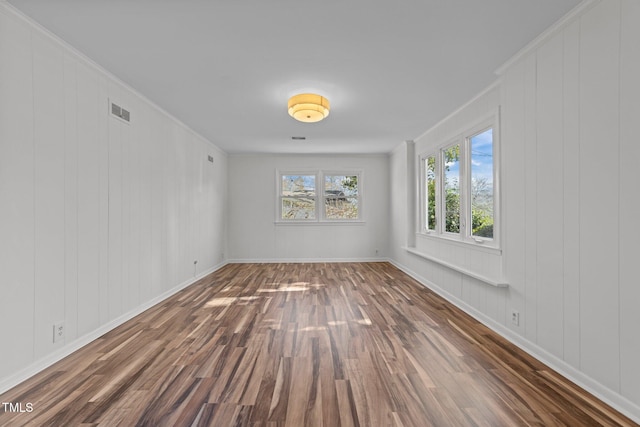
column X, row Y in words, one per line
column 302, row 260
column 610, row 397
column 43, row 363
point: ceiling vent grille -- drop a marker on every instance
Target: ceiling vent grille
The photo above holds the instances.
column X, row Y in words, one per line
column 120, row 112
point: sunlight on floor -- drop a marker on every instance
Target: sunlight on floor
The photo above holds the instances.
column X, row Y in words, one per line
column 226, row 301
column 290, row 287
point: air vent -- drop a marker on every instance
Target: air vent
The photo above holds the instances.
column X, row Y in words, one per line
column 298, row 138
column 120, row 112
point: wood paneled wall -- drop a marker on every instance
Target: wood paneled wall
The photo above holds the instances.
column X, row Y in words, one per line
column 97, row 217
column 569, row 113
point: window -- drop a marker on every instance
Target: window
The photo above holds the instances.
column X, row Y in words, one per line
column 298, row 197
column 430, row 196
column 341, row 199
column 451, row 158
column 339, row 196
column 482, row 188
column 458, row 187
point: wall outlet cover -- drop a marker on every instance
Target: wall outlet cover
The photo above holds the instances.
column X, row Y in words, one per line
column 58, row 332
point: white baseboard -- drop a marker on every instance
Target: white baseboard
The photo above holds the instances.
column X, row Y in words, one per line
column 302, row 260
column 43, row 363
column 610, row 397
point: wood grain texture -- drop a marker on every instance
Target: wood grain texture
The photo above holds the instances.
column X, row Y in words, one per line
column 341, row 344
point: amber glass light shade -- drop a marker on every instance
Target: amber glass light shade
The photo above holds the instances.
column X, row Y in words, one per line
column 308, row 107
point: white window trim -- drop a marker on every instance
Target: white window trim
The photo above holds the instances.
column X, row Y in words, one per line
column 279, row 196
column 319, row 197
column 464, row 139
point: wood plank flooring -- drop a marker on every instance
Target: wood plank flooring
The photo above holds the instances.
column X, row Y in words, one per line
column 340, row 344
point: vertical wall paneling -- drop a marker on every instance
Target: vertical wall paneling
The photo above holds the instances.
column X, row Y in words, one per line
column 49, row 176
column 570, row 107
column 102, row 137
column 206, row 225
column 397, row 202
column 16, row 194
column 471, row 292
column 629, row 202
column 513, row 199
column 127, row 231
column 145, row 250
column 127, row 183
column 135, row 208
column 220, row 208
column 201, row 205
column 549, row 203
column 183, row 148
column 413, row 172
column 571, row 192
column 158, row 268
column 165, row 172
column 172, row 207
column 115, row 219
column 193, row 174
column 70, row 199
column 98, row 217
column 599, row 156
column 531, row 196
column 89, row 203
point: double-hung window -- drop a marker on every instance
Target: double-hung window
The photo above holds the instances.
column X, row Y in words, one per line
column 459, row 187
column 298, row 197
column 319, row 196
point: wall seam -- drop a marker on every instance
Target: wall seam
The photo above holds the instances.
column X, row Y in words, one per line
column 620, row 21
column 579, row 222
column 33, row 163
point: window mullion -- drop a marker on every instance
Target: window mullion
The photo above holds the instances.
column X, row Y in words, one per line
column 465, row 194
column 440, row 220
column 320, row 196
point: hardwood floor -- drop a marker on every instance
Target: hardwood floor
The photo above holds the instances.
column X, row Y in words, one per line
column 341, row 344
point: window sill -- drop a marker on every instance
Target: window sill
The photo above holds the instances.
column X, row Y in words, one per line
column 481, row 247
column 487, row 280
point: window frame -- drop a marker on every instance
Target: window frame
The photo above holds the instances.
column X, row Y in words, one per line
column 320, row 196
column 464, row 139
column 280, row 196
column 358, row 197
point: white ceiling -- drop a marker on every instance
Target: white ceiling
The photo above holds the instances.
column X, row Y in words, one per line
column 391, row 69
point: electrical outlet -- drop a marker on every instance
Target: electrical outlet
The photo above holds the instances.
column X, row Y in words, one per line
column 58, row 332
column 515, row 318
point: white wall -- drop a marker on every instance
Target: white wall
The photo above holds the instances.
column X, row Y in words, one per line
column 570, row 107
column 254, row 235
column 98, row 218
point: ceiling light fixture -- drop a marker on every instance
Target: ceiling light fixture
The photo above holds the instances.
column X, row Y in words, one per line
column 308, row 107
